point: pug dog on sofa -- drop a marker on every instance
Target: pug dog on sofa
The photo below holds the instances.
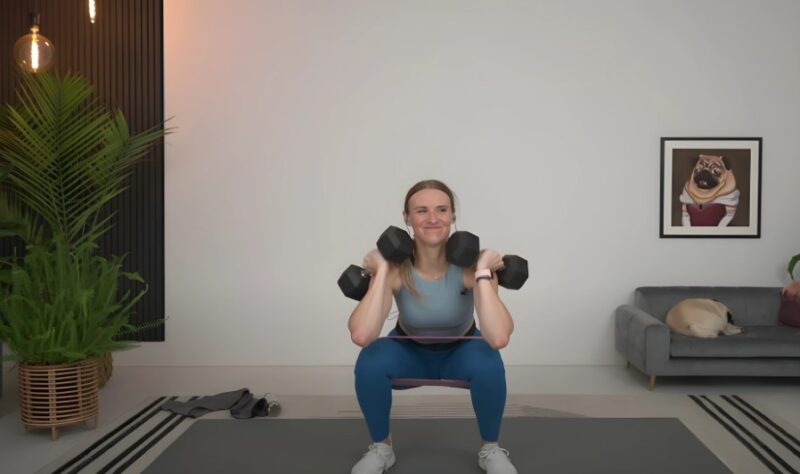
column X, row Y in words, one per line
column 710, row 196
column 701, row 317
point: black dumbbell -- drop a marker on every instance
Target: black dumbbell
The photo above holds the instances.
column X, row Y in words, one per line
column 354, row 282
column 394, row 244
column 463, row 249
column 515, row 273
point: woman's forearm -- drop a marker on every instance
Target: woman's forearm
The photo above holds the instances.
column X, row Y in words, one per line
column 367, row 319
column 495, row 320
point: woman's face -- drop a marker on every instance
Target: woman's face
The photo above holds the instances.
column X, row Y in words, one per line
column 430, row 215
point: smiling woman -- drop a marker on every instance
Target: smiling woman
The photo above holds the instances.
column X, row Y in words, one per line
column 430, row 211
column 436, row 335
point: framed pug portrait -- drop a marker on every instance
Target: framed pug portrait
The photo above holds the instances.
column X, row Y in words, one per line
column 710, row 187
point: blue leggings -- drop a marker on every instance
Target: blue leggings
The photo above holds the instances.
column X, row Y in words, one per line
column 472, row 359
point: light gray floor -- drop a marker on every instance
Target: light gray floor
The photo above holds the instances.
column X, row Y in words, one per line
column 22, row 452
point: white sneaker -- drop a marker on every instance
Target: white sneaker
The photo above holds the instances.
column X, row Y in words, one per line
column 377, row 460
column 494, row 460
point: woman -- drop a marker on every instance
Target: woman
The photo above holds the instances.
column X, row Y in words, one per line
column 437, row 299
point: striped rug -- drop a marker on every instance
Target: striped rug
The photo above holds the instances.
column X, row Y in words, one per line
column 744, row 436
column 773, row 445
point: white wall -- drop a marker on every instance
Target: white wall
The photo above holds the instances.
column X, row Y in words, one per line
column 301, row 124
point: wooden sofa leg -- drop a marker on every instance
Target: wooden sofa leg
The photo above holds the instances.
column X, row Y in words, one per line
column 652, row 382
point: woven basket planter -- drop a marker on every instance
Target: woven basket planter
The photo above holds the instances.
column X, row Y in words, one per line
column 52, row 396
column 105, row 367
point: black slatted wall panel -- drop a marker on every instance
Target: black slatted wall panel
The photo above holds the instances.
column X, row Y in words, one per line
column 122, row 56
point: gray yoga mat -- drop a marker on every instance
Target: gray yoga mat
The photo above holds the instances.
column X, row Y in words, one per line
column 439, row 446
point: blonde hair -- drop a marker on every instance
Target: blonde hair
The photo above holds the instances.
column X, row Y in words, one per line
column 406, row 266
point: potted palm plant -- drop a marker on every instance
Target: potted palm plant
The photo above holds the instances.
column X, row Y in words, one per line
column 64, row 158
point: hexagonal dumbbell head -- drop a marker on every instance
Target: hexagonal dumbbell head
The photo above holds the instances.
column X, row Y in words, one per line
column 462, row 249
column 395, row 244
column 515, row 273
column 354, row 282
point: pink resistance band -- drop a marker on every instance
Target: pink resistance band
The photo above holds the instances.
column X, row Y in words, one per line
column 410, row 383
column 433, row 337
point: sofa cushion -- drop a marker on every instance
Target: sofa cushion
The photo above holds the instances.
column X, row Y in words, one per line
column 755, row 341
column 751, row 306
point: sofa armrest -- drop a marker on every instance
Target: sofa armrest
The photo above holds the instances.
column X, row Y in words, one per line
column 641, row 338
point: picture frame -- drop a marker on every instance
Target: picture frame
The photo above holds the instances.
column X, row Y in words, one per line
column 710, row 187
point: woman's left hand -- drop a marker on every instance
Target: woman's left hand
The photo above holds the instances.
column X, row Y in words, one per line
column 490, row 259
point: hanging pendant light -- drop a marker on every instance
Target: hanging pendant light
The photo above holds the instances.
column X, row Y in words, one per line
column 92, row 12
column 34, row 52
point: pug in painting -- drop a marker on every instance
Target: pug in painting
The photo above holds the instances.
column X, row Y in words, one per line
column 701, row 317
column 710, row 196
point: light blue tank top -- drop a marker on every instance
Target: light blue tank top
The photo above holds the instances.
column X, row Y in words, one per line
column 443, row 308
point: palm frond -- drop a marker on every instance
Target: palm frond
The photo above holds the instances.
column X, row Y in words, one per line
column 69, row 156
column 793, row 263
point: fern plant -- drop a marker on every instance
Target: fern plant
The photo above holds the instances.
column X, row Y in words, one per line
column 62, row 304
column 10, row 226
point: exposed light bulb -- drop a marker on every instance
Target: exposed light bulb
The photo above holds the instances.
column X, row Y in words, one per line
column 92, row 11
column 34, row 52
column 35, row 49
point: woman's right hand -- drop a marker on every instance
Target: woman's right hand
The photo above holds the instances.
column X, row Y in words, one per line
column 374, row 261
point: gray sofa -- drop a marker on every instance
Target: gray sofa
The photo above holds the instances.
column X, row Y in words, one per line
column 765, row 348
